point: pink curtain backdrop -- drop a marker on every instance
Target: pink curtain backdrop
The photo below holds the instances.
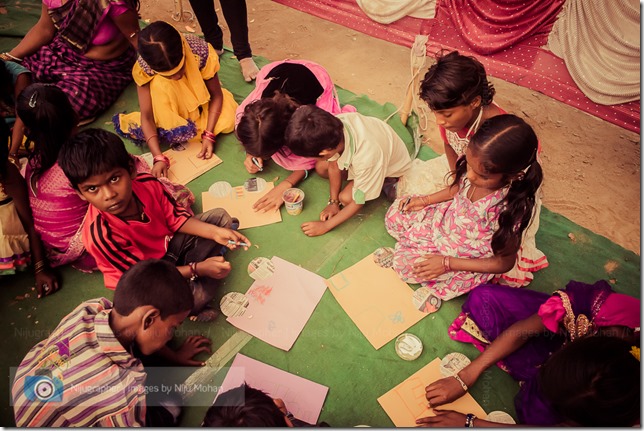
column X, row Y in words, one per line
column 510, row 41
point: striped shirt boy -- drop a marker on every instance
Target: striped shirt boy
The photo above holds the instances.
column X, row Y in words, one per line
column 80, row 376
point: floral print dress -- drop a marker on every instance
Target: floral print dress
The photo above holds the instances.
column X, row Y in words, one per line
column 455, row 228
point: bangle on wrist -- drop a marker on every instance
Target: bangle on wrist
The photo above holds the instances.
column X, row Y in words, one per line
column 333, row 201
column 459, row 380
column 193, row 271
column 208, row 136
column 446, row 265
column 161, row 158
column 40, row 266
column 291, row 184
column 469, row 420
column 8, row 57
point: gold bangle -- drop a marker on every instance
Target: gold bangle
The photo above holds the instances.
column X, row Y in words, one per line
column 147, row 141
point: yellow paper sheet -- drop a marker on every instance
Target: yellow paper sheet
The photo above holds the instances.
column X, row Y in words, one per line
column 376, row 299
column 239, row 203
column 185, row 166
column 406, row 402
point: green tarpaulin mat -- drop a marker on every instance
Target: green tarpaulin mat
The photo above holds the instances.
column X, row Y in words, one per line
column 330, row 350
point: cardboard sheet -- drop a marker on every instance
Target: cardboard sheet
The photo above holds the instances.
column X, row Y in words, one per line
column 280, row 306
column 185, row 166
column 406, row 402
column 376, row 299
column 239, row 203
column 302, row 397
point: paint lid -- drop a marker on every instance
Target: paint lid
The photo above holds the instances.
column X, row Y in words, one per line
column 500, row 417
column 408, row 346
column 233, row 304
column 452, row 363
column 424, row 300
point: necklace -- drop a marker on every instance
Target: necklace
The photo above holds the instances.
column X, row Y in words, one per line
column 460, row 144
column 471, row 192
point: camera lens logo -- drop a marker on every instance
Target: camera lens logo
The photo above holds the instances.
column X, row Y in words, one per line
column 43, row 387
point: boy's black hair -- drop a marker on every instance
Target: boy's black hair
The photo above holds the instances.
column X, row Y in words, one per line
column 261, row 128
column 93, row 152
column 49, row 119
column 153, row 282
column 506, row 144
column 455, row 80
column 313, row 130
column 594, row 381
column 244, row 407
column 160, row 45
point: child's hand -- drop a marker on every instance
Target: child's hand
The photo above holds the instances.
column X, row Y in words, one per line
column 271, row 200
column 214, row 267
column 430, row 267
column 314, row 228
column 193, row 345
column 411, row 204
column 251, row 167
column 46, row 282
column 160, row 169
column 330, row 211
column 206, row 149
column 443, row 418
column 223, row 235
column 443, row 391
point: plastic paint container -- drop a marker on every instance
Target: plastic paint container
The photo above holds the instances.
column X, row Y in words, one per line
column 408, row 346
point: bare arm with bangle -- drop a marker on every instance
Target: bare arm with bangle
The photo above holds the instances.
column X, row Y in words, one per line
column 214, row 111
column 419, row 202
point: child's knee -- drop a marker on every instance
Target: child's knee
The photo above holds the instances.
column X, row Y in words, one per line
column 217, row 216
column 322, row 168
column 346, row 196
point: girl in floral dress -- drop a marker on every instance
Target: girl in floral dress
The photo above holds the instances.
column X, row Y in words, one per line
column 455, row 239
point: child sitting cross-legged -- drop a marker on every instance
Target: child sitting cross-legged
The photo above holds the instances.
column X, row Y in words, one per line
column 84, row 374
column 369, row 150
column 131, row 217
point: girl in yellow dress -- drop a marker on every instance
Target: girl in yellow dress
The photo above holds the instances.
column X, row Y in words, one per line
column 180, row 95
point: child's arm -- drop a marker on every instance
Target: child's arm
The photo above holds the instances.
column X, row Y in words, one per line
column 149, row 127
column 273, row 199
column 316, row 228
column 184, row 355
column 221, row 235
column 15, row 186
column 335, row 184
column 420, row 202
column 509, row 341
column 453, row 419
column 214, row 111
column 451, row 155
column 22, row 82
column 434, row 265
column 128, row 23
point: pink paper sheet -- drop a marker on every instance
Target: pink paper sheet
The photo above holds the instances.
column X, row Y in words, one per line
column 280, row 306
column 302, row 397
column 378, row 302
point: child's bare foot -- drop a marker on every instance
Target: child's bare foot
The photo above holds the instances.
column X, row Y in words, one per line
column 249, row 68
column 208, row 314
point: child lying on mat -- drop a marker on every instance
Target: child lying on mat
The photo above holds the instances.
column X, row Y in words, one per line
column 262, row 117
column 364, row 150
column 85, row 374
column 131, row 218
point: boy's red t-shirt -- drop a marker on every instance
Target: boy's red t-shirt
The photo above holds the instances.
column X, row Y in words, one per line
column 117, row 244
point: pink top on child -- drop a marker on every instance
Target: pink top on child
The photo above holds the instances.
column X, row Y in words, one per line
column 328, row 101
column 106, row 30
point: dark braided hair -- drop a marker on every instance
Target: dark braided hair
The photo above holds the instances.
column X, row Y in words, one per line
column 160, row 45
column 507, row 145
column 261, row 129
column 455, row 80
column 49, row 120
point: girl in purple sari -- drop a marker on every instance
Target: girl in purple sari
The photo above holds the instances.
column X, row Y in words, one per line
column 520, row 329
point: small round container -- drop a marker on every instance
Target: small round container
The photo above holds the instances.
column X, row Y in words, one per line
column 408, row 346
column 500, row 417
column 293, row 200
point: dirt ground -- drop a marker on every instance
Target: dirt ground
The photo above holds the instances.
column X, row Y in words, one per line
column 592, row 167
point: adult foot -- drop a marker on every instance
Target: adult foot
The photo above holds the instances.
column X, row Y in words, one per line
column 249, row 68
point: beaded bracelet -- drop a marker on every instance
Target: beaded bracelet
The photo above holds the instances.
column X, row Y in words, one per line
column 162, row 158
column 193, row 271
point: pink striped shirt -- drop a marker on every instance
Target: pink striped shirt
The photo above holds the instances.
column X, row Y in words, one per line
column 94, row 380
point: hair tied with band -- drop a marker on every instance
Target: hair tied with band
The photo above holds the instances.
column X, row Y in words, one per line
column 635, row 351
column 33, row 100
